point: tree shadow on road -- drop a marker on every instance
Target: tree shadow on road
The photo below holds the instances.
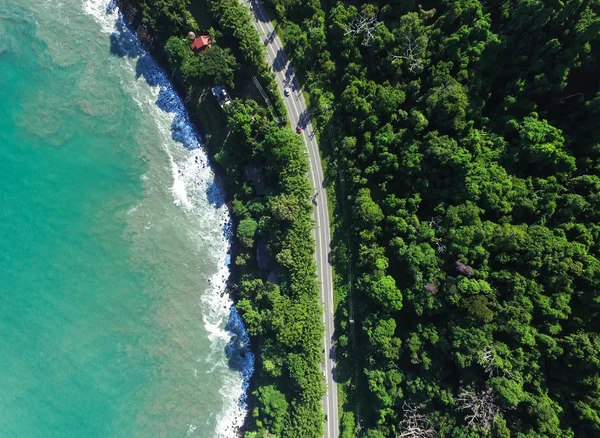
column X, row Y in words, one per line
column 260, row 14
column 289, row 76
column 280, row 61
column 304, row 118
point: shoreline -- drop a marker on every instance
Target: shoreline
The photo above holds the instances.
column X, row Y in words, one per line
column 131, row 18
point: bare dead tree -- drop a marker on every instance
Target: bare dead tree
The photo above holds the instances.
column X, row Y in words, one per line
column 415, row 424
column 441, row 248
column 363, row 26
column 411, row 52
column 488, row 360
column 481, row 406
column 510, row 374
column 581, row 97
column 433, row 223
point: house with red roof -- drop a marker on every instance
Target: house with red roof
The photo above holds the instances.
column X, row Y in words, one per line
column 200, row 44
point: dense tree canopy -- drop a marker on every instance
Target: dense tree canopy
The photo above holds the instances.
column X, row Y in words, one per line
column 167, row 17
column 213, row 66
column 466, row 133
column 283, row 315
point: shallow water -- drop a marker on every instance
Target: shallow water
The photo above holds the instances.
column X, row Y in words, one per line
column 113, row 244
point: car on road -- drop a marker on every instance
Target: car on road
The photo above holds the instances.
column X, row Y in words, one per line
column 286, row 91
column 299, row 130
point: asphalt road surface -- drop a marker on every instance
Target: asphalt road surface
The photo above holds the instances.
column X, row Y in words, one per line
column 299, row 117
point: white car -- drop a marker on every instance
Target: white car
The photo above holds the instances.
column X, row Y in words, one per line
column 286, row 91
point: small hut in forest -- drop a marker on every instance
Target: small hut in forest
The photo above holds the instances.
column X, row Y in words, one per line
column 200, row 44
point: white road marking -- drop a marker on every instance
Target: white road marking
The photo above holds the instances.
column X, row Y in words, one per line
column 322, row 233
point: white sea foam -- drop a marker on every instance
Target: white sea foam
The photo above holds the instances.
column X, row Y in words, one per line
column 98, row 9
column 178, row 189
column 195, row 191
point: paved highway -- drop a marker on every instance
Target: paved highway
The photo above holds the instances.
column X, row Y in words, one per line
column 298, row 114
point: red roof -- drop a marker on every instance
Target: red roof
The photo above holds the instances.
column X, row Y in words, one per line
column 201, row 43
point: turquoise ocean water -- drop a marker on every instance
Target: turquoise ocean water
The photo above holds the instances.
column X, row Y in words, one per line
column 112, row 245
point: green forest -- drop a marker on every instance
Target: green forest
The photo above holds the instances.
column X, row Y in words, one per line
column 465, row 133
column 463, row 163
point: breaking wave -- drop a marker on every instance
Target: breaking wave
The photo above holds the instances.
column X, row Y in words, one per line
column 194, row 188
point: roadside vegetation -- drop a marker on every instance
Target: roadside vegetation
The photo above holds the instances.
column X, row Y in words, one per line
column 265, row 172
column 463, row 140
